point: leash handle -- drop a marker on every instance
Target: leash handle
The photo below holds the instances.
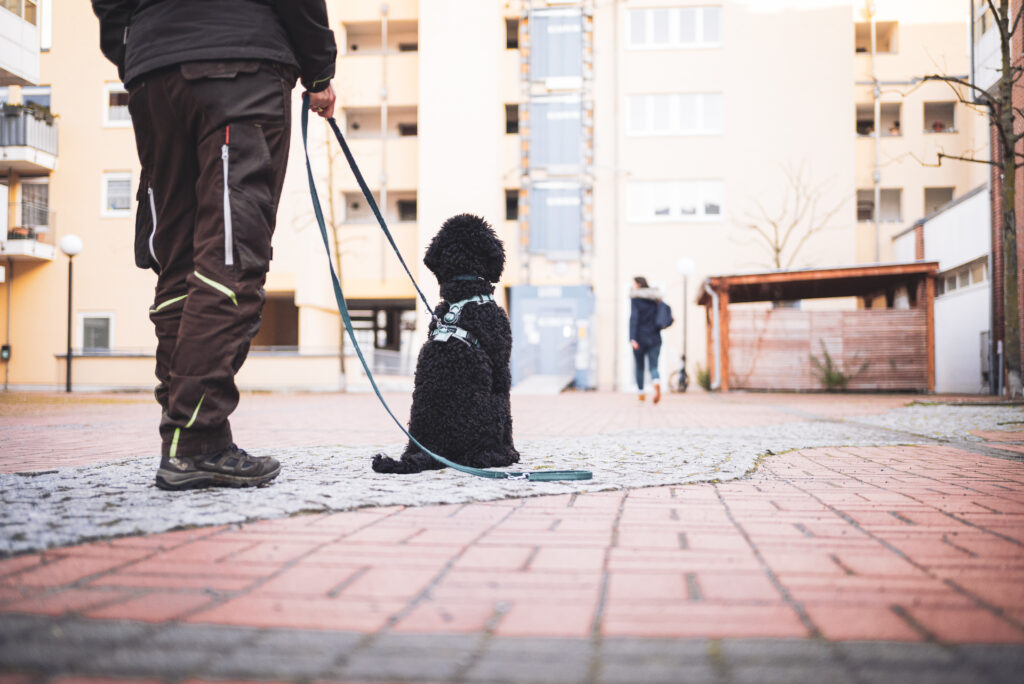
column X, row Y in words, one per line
column 537, row 476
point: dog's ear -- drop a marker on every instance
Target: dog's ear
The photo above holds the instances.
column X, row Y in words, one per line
column 492, row 253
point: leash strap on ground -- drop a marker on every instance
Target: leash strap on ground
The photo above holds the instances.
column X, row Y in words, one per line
column 536, row 476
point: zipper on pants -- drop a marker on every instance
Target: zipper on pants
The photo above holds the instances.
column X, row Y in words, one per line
column 229, row 245
column 152, row 233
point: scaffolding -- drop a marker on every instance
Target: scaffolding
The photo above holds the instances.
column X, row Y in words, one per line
column 556, row 133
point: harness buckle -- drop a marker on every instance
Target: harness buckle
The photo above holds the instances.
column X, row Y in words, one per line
column 518, row 476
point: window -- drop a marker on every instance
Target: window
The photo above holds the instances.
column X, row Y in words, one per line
column 35, row 206
column 890, row 115
column 5, row 95
column 407, row 129
column 96, row 331
column 408, row 46
column 117, row 194
column 26, row 9
column 115, row 106
column 511, row 205
column 963, row 276
column 36, row 95
column 511, row 34
column 940, row 117
column 885, row 37
column 511, row 118
column 936, row 198
column 891, row 210
column 984, row 20
column 406, row 209
column 682, row 27
column 674, row 114
column 674, row 201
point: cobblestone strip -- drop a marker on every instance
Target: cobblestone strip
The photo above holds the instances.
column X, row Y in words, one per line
column 41, row 650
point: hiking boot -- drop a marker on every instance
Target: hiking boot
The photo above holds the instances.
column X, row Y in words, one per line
column 232, row 467
column 657, row 392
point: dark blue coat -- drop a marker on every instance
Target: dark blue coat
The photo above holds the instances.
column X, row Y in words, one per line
column 642, row 328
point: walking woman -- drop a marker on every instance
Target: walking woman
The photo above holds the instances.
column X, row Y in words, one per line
column 644, row 333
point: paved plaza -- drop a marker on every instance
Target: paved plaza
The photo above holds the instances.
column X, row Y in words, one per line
column 724, row 538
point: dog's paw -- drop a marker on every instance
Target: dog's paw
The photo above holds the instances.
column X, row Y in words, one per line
column 384, row 464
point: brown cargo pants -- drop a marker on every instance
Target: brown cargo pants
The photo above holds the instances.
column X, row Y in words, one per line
column 213, row 140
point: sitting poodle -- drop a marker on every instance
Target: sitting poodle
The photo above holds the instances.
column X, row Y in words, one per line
column 460, row 403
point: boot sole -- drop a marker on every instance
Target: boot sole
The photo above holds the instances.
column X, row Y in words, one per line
column 200, row 479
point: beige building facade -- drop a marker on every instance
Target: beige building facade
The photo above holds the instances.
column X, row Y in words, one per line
column 691, row 120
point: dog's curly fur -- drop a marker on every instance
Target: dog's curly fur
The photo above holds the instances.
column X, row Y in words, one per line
column 460, row 402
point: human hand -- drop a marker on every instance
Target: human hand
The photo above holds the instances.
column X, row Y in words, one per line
column 322, row 103
column 634, row 344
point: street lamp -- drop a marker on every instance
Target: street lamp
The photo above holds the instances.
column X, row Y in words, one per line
column 70, row 245
column 684, row 265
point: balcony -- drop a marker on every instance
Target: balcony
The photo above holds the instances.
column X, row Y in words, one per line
column 28, row 140
column 19, row 42
column 30, row 234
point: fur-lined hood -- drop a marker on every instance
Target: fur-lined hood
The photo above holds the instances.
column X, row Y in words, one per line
column 652, row 293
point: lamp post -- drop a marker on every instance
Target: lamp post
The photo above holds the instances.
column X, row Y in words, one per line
column 685, row 266
column 70, row 245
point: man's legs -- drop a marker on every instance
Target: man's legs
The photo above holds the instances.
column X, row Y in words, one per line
column 215, row 144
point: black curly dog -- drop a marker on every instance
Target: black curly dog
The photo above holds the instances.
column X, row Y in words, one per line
column 460, row 402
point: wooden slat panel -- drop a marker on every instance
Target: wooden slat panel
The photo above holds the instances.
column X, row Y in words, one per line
column 886, row 349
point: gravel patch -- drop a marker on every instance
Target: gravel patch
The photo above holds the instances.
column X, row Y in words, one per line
column 70, row 505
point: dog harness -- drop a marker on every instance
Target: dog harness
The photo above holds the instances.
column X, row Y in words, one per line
column 448, row 328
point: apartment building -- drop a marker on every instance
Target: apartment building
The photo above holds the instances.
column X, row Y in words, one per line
column 603, row 140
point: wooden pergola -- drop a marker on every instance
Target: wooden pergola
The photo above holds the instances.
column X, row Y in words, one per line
column 775, row 338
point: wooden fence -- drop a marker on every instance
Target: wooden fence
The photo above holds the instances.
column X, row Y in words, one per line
column 883, row 349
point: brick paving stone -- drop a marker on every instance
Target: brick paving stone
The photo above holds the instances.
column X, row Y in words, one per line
column 876, row 548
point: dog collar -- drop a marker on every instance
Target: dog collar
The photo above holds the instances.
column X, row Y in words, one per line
column 468, row 277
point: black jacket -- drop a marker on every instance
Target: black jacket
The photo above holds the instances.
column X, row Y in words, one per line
column 140, row 36
column 643, row 311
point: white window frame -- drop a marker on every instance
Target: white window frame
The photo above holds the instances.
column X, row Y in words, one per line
column 109, row 315
column 675, row 190
column 674, row 41
column 675, row 111
column 105, row 178
column 108, row 90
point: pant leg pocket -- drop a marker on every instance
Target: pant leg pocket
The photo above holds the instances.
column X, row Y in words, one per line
column 249, row 207
column 145, row 226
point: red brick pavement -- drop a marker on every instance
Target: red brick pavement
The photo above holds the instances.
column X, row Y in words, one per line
column 40, row 431
column 897, row 543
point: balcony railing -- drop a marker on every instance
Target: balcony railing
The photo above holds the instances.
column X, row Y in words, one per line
column 31, row 221
column 22, row 126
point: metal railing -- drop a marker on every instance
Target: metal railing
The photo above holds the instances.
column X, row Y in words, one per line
column 31, row 221
column 28, row 126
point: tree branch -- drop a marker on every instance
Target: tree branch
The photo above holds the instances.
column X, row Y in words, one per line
column 982, row 94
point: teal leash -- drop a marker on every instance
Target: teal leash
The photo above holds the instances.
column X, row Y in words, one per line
column 536, row 475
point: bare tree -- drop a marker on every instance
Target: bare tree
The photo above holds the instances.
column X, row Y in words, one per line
column 335, row 226
column 997, row 104
column 804, row 212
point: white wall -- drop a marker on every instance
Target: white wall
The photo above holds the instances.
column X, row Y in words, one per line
column 959, row 234
column 960, row 318
column 903, row 247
